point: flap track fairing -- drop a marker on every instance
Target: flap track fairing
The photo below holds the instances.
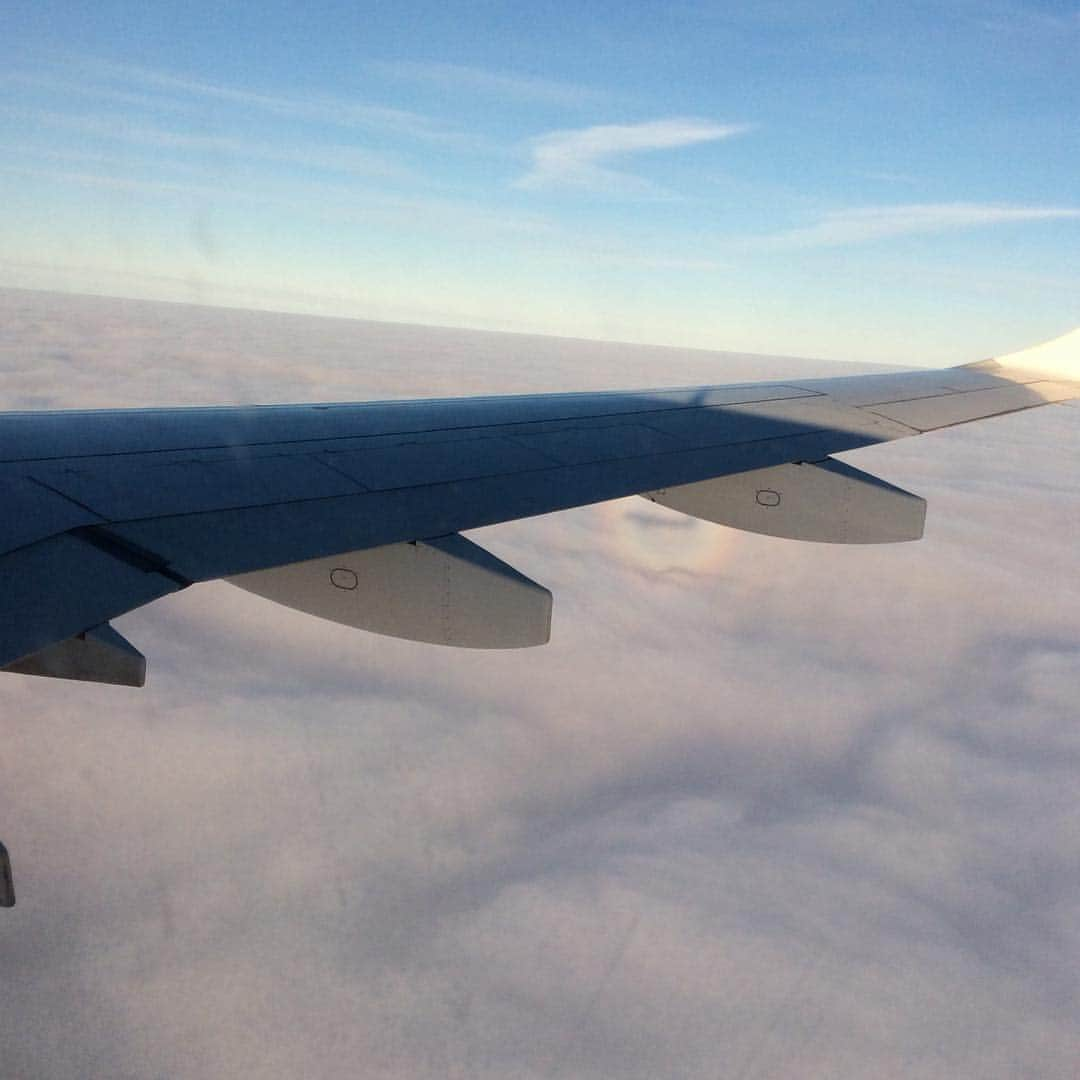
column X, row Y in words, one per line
column 444, row 591
column 826, row 501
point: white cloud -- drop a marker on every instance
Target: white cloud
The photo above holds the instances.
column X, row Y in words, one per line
column 580, row 158
column 865, row 225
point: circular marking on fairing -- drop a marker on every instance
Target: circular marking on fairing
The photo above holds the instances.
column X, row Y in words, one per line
column 342, row 578
column 768, row 497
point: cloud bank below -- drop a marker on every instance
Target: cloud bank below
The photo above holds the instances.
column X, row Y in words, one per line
column 759, row 809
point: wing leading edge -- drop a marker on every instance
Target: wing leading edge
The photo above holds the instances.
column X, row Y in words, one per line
column 106, row 511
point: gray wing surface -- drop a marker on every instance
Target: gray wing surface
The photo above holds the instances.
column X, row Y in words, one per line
column 105, row 511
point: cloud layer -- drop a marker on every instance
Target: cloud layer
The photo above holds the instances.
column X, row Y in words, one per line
column 760, row 809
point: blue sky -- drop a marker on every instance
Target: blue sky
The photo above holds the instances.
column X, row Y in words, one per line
column 887, row 182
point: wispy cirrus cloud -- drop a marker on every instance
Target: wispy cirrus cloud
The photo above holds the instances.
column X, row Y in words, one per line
column 82, row 89
column 581, row 158
column 333, row 202
column 481, row 81
column 322, row 108
column 1017, row 19
column 115, row 128
column 864, row 225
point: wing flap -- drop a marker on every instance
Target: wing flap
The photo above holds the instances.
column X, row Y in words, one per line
column 100, row 655
column 58, row 588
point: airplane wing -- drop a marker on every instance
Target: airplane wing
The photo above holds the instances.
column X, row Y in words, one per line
column 354, row 512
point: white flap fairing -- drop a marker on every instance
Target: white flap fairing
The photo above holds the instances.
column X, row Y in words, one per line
column 826, row 501
column 445, row 591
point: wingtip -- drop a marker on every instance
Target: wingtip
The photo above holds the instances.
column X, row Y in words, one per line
column 1058, row 358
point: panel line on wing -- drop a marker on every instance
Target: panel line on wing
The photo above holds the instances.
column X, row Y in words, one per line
column 215, row 544
column 65, row 496
column 532, row 470
column 324, row 459
column 33, row 511
column 944, row 392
